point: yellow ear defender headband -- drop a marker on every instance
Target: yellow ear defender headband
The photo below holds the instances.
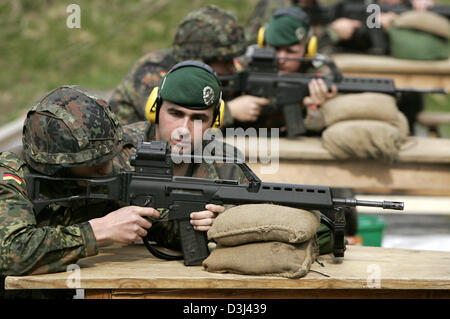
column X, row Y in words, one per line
column 154, row 100
column 311, row 42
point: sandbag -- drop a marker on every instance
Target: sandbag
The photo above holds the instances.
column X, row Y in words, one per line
column 363, row 139
column 263, row 222
column 374, row 106
column 425, row 21
column 417, row 45
column 403, row 126
column 264, row 259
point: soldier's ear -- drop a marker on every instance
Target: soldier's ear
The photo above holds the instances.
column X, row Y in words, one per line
column 311, row 47
column 219, row 113
column 260, row 37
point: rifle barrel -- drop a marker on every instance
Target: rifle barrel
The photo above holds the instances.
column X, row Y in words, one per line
column 350, row 202
column 409, row 89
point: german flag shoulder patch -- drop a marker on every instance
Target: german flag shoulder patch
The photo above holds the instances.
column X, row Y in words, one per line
column 7, row 176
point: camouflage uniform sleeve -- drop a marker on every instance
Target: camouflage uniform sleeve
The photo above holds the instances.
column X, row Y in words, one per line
column 314, row 119
column 28, row 249
column 328, row 40
column 129, row 98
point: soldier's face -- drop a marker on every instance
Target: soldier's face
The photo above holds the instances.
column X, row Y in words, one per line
column 284, row 53
column 183, row 128
column 223, row 67
column 101, row 170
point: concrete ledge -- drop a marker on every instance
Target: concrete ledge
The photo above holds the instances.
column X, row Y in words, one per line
column 11, row 134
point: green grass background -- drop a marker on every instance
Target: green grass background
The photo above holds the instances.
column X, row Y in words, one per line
column 39, row 52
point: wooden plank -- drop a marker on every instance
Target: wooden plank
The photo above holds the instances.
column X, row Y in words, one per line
column 279, row 294
column 132, row 267
column 433, row 118
column 386, row 64
column 98, row 294
column 414, row 150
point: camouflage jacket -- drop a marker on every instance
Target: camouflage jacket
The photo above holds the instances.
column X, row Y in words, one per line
column 129, row 98
column 60, row 234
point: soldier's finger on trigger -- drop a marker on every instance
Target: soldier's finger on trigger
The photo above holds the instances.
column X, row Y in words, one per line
column 147, row 211
column 217, row 208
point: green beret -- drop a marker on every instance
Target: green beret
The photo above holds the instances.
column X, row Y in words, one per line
column 288, row 26
column 192, row 87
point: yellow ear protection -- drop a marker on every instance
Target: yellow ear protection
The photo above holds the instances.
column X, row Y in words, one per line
column 154, row 100
column 311, row 42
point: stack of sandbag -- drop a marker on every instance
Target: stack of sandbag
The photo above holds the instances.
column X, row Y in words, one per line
column 264, row 239
column 364, row 125
column 420, row 35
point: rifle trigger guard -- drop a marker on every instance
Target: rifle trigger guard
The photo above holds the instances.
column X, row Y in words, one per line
column 143, row 201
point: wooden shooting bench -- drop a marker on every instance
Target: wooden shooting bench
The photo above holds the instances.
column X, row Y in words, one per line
column 423, row 166
column 406, row 73
column 365, row 272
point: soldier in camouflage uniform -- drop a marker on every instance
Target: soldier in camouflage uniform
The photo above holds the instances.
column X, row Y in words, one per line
column 210, row 35
column 69, row 133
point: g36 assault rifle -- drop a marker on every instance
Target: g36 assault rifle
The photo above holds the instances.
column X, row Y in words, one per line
column 153, row 184
column 287, row 90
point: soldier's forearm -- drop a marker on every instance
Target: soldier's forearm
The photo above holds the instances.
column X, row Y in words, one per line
column 36, row 250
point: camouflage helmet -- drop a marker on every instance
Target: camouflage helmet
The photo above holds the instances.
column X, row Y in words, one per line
column 68, row 127
column 209, row 34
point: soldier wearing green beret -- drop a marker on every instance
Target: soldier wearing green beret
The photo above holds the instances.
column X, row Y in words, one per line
column 289, row 32
column 210, row 35
column 187, row 103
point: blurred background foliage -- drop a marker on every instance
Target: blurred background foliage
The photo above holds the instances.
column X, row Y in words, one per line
column 39, row 52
